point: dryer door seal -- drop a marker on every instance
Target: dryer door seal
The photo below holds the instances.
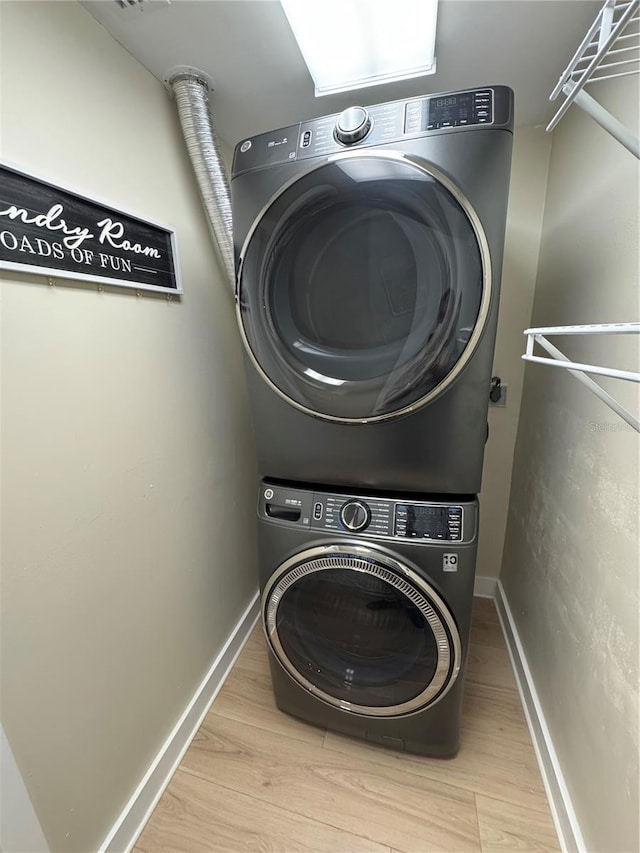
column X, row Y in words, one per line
column 364, row 287
column 361, row 631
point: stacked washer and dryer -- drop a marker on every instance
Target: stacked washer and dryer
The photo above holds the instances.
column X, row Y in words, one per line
column 369, row 250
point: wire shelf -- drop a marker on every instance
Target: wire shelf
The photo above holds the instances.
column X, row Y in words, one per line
column 611, row 48
column 556, row 358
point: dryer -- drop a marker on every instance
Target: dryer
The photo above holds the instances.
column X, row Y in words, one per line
column 369, row 250
column 366, row 606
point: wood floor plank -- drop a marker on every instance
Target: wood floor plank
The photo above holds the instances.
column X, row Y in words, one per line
column 492, row 711
column 485, row 764
column 484, row 610
column 256, row 779
column 505, row 828
column 385, row 804
column 490, row 665
column 253, row 656
column 195, row 815
column 485, row 624
column 248, row 698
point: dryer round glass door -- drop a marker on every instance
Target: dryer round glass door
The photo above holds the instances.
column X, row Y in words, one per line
column 363, row 287
column 361, row 631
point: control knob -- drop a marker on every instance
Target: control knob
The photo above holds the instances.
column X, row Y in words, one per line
column 352, row 125
column 355, row 515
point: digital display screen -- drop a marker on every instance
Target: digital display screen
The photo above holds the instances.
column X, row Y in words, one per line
column 453, row 107
column 463, row 108
column 446, row 102
column 426, row 520
column 422, row 522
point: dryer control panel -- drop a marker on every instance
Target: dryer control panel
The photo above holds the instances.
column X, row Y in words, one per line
column 379, row 124
column 370, row 516
column 443, row 111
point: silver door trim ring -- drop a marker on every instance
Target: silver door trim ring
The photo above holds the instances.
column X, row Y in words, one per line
column 361, row 558
column 485, row 302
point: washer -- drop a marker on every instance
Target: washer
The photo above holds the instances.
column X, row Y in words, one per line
column 366, row 606
column 369, row 249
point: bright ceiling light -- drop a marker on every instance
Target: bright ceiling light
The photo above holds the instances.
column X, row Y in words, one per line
column 349, row 44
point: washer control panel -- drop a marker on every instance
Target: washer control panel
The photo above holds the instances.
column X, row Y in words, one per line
column 369, row 516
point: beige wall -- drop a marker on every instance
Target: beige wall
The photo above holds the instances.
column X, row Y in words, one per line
column 127, row 459
column 530, row 164
column 571, row 557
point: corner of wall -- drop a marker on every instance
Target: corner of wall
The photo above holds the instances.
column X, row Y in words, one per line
column 529, row 175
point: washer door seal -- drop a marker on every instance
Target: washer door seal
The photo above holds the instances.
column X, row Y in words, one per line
column 364, row 287
column 361, row 631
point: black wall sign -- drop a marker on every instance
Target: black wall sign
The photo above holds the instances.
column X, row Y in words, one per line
column 50, row 230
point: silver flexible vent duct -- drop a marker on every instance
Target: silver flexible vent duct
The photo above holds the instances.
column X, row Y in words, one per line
column 192, row 98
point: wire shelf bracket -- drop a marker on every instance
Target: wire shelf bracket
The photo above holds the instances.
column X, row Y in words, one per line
column 611, row 48
column 559, row 359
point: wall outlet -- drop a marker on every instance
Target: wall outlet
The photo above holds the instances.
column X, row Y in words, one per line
column 502, row 400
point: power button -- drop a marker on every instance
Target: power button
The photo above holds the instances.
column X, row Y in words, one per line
column 268, row 494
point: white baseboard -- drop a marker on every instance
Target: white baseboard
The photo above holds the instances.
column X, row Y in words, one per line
column 485, row 587
column 136, row 813
column 564, row 816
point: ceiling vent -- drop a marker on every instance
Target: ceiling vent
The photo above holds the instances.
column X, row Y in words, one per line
column 133, row 8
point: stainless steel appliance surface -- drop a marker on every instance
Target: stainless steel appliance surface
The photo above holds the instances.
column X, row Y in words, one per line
column 368, row 250
column 366, row 607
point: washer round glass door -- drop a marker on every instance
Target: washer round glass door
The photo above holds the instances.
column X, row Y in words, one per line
column 361, row 631
column 363, row 287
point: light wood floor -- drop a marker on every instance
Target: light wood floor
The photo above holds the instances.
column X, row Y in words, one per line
column 256, row 780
